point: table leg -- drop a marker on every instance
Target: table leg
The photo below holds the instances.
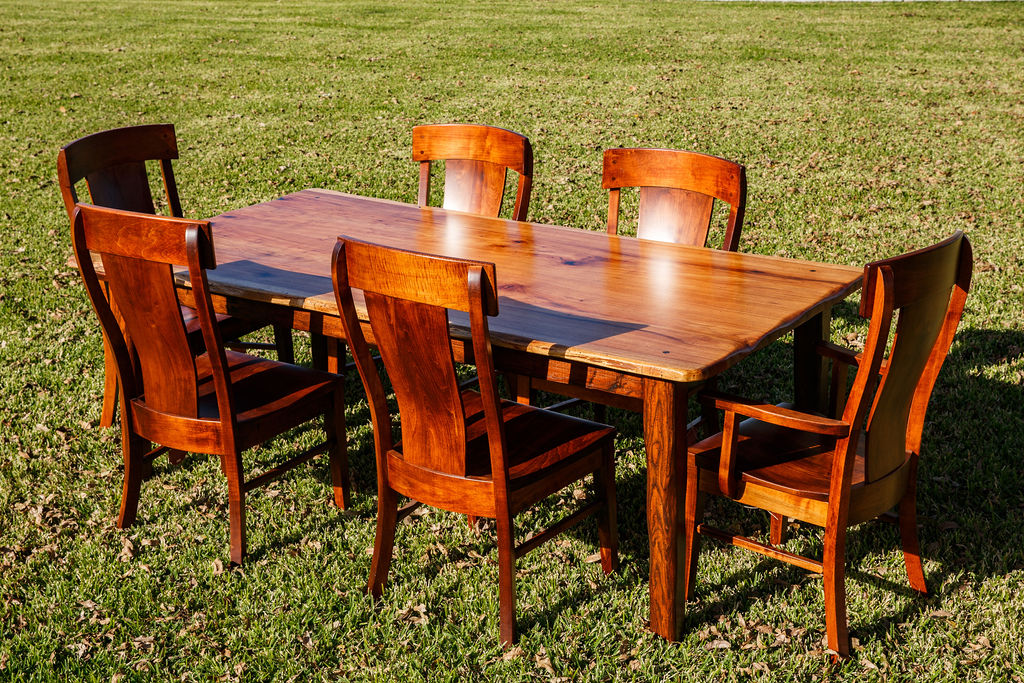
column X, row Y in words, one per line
column 328, row 353
column 810, row 369
column 665, row 441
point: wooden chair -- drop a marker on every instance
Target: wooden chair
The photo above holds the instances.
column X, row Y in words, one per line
column 215, row 401
column 677, row 193
column 477, row 159
column 835, row 472
column 461, row 451
column 113, row 165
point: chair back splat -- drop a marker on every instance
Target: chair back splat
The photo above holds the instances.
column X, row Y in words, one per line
column 113, row 165
column 407, row 300
column 461, row 450
column 838, row 471
column 929, row 291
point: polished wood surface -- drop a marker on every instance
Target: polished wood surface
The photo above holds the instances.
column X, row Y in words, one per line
column 678, row 190
column 477, row 159
column 632, row 306
column 113, row 165
column 210, row 401
column 629, row 319
column 463, row 451
column 828, row 471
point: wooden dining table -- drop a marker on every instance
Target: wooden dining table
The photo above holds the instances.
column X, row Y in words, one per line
column 631, row 323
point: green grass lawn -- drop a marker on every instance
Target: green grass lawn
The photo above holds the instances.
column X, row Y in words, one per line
column 866, row 130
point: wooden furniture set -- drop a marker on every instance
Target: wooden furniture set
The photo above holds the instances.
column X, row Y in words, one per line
column 620, row 321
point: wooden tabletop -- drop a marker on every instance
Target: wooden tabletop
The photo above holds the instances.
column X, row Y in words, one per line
column 648, row 308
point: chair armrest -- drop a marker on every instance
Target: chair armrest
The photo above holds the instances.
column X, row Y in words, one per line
column 778, row 415
column 838, row 353
column 735, row 406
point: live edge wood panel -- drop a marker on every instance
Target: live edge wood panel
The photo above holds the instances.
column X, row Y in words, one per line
column 632, row 307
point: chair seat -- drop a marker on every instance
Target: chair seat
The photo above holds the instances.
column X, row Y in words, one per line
column 263, row 388
column 783, row 459
column 545, row 451
column 231, row 327
column 536, row 439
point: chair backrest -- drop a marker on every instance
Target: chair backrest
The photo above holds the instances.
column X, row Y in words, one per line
column 113, row 165
column 476, row 161
column 407, row 298
column 927, row 289
column 138, row 251
column 677, row 193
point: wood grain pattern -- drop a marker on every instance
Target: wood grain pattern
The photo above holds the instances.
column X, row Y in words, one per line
column 627, row 305
column 476, row 160
column 604, row 313
column 677, row 193
column 664, row 422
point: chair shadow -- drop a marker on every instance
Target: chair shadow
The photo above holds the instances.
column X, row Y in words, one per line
column 566, row 329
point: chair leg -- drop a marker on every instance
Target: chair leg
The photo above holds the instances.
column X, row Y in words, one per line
column 284, row 344
column 777, row 536
column 334, row 426
column 384, row 544
column 506, row 579
column 694, row 513
column 110, row 387
column 135, row 470
column 708, row 413
column 607, row 524
column 908, row 535
column 232, row 466
column 834, row 570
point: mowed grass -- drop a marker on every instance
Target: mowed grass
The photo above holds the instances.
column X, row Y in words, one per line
column 866, row 130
